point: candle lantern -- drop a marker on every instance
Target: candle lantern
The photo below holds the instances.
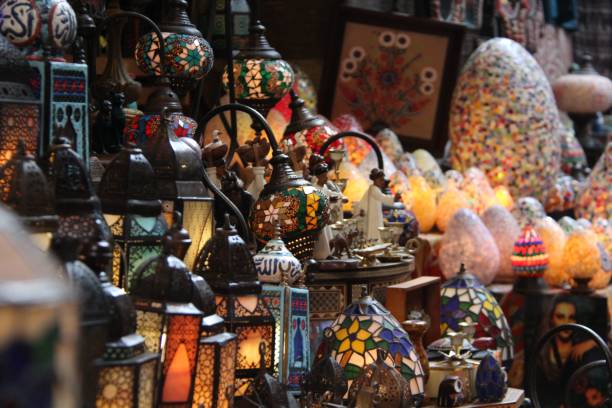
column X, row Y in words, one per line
column 19, row 108
column 39, row 325
column 129, row 201
column 227, row 265
column 127, row 371
column 178, row 172
column 23, row 187
column 162, row 291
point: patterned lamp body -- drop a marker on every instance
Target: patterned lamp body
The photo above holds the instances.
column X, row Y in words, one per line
column 366, row 326
column 490, row 380
column 465, row 299
column 595, row 199
column 529, row 257
column 276, row 264
column 141, row 128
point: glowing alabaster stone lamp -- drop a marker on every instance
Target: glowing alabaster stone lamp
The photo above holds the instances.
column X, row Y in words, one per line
column 424, row 204
column 363, row 328
column 554, row 239
column 595, row 198
column 430, row 169
column 449, row 203
column 505, row 231
column 465, row 299
column 227, row 265
column 586, row 262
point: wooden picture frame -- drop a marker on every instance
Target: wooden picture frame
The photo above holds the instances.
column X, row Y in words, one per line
column 393, row 70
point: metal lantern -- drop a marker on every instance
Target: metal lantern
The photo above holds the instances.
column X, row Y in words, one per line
column 227, row 265
column 162, row 291
column 132, row 210
column 20, row 111
column 39, row 325
column 76, row 203
column 261, row 77
column 23, row 187
column 240, row 18
column 178, row 172
column 127, row 372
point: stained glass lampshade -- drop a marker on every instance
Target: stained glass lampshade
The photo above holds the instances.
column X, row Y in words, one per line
column 366, row 326
column 261, row 77
column 178, row 172
column 465, row 299
column 19, row 107
column 529, row 257
column 300, row 209
column 127, row 371
column 227, row 265
column 162, row 291
column 24, row 188
column 132, row 210
column 39, row 320
column 188, row 56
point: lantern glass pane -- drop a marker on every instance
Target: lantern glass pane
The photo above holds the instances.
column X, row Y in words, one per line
column 149, row 326
column 115, row 387
column 115, row 223
column 117, row 261
column 137, row 254
column 226, row 380
column 180, row 356
column 249, row 338
column 204, row 382
column 146, row 389
column 250, row 306
column 17, row 122
column 198, row 220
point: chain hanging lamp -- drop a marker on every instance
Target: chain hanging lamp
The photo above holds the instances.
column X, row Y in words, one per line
column 128, row 192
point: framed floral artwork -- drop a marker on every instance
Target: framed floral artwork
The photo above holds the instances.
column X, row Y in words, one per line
column 393, row 70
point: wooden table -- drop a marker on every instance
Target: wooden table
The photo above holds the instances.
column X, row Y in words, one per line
column 513, row 399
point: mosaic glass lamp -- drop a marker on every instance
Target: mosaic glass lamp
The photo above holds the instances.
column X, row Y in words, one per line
column 178, row 173
column 20, row 111
column 465, row 299
column 132, row 210
column 261, row 77
column 227, row 265
column 24, row 188
column 162, row 291
column 127, row 371
column 366, row 326
column 188, row 56
column 300, row 209
column 39, row 322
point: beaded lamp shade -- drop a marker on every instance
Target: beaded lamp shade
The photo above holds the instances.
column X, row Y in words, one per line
column 465, row 299
column 366, row 326
column 300, row 209
column 261, row 77
column 529, row 257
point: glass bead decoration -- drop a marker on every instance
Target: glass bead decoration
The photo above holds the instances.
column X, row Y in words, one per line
column 529, row 257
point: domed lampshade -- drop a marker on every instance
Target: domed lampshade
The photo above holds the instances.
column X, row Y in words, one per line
column 449, row 203
column 465, row 299
column 275, row 264
column 478, row 190
column 586, row 260
column 261, row 77
column 49, row 25
column 300, row 209
column 390, row 144
column 430, row 169
column 188, row 56
column 529, row 257
column 366, row 326
column 554, row 240
column 504, row 119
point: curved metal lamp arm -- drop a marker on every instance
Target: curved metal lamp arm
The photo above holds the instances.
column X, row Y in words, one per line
column 154, row 27
column 351, row 133
column 532, row 368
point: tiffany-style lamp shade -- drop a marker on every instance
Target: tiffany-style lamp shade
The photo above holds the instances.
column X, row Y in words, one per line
column 127, row 371
column 178, row 173
column 529, row 257
column 39, row 324
column 465, row 299
column 162, row 291
column 227, row 265
column 132, row 210
column 261, row 77
column 366, row 326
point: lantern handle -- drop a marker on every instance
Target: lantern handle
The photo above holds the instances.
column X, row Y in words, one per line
column 359, row 135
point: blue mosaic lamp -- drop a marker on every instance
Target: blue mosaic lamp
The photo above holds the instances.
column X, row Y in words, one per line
column 490, row 380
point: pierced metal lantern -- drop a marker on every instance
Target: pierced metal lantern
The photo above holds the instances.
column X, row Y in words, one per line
column 300, row 209
column 261, row 77
column 162, row 291
column 227, row 265
column 363, row 328
column 24, row 188
column 40, row 324
column 76, row 202
column 20, row 111
column 132, row 210
column 178, row 172
column 127, row 372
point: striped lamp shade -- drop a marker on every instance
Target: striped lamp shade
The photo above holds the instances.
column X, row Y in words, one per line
column 529, row 257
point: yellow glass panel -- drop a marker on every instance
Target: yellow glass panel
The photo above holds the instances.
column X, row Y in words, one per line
column 358, row 346
column 226, row 381
column 115, row 387
column 146, row 392
column 149, row 326
column 344, row 346
column 198, row 220
column 354, row 327
column 203, row 388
